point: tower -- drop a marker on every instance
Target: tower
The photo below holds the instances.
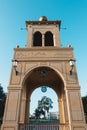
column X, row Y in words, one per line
column 43, row 63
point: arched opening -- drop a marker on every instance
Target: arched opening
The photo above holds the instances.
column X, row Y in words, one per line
column 49, row 39
column 46, row 103
column 43, row 76
column 37, row 39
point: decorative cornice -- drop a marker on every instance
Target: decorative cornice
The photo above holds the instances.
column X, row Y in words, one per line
column 57, row 22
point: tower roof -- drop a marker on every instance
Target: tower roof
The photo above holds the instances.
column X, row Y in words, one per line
column 43, row 21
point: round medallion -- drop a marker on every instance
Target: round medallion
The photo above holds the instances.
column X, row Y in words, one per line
column 43, row 89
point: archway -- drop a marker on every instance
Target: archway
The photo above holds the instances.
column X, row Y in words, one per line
column 34, row 70
column 43, row 76
column 44, row 92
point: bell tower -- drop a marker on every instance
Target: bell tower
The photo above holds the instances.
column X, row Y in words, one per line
column 43, row 33
column 43, row 63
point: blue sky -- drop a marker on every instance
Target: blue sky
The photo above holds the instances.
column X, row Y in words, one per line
column 72, row 13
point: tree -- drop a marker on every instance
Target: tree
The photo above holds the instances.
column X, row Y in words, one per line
column 84, row 100
column 43, row 106
column 38, row 113
column 2, row 102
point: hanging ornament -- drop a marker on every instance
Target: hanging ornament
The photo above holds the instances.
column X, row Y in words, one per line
column 43, row 89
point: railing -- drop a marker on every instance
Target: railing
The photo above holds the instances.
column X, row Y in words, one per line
column 43, row 127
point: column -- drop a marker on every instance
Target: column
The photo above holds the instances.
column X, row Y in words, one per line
column 43, row 40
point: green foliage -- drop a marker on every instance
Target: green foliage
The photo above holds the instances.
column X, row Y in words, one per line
column 84, row 100
column 2, row 102
column 39, row 112
column 43, row 106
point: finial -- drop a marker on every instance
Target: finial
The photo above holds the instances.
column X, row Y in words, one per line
column 69, row 46
column 43, row 18
column 17, row 46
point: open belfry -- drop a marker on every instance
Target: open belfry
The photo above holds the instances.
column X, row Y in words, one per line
column 43, row 62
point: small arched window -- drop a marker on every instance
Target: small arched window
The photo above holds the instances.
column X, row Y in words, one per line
column 49, row 39
column 37, row 39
